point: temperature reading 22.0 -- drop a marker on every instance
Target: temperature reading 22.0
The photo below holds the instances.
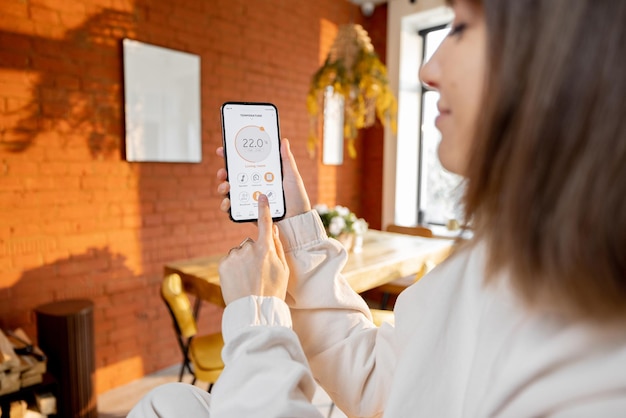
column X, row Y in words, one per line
column 253, row 143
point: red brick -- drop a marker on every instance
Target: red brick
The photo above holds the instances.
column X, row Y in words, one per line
column 56, row 228
column 125, row 285
column 51, row 256
column 122, row 333
column 12, row 9
column 78, row 267
column 6, row 263
column 23, row 228
column 72, row 20
column 14, row 59
column 105, row 353
column 29, row 245
column 11, row 184
column 15, row 89
column 67, row 82
column 43, row 15
column 62, row 6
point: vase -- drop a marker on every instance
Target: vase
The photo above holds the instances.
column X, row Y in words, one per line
column 357, row 245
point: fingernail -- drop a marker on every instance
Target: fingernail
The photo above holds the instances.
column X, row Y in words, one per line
column 262, row 198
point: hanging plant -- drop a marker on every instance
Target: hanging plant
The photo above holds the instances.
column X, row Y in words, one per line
column 354, row 71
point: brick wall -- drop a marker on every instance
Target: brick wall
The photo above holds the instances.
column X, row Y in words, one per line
column 371, row 173
column 77, row 220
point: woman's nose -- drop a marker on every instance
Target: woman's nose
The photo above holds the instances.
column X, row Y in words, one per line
column 429, row 73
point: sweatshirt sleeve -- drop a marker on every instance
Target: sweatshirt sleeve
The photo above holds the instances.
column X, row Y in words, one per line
column 606, row 407
column 265, row 373
column 352, row 359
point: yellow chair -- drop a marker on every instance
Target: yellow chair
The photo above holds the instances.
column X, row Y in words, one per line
column 202, row 354
column 394, row 287
column 379, row 316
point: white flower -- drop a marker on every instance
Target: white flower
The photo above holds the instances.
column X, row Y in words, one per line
column 337, row 224
column 322, row 209
column 342, row 210
column 340, row 220
column 360, row 226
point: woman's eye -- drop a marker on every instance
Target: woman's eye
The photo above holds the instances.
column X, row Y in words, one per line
column 457, row 29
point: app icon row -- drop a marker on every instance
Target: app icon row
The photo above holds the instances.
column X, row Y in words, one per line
column 244, row 178
column 245, row 197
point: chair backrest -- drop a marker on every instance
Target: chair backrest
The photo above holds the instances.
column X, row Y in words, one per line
column 420, row 231
column 179, row 305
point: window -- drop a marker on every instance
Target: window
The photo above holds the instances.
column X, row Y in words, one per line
column 439, row 191
column 425, row 193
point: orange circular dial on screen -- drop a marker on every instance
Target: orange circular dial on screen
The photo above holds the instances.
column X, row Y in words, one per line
column 253, row 143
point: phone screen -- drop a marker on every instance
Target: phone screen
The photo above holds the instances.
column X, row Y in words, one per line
column 252, row 152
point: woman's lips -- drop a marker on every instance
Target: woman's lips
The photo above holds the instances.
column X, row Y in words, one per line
column 443, row 113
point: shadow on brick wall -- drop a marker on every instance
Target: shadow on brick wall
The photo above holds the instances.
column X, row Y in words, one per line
column 62, row 92
column 128, row 313
column 74, row 88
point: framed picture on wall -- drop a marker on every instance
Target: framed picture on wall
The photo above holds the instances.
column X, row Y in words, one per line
column 161, row 104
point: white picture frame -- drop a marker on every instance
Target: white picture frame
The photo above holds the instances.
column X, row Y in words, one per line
column 161, row 104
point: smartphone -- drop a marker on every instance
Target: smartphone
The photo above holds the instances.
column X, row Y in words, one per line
column 251, row 136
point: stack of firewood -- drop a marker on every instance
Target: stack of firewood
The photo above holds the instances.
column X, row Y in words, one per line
column 22, row 364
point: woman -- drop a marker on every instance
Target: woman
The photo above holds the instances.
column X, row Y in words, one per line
column 527, row 320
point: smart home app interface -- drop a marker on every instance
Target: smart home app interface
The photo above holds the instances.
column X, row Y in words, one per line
column 251, row 141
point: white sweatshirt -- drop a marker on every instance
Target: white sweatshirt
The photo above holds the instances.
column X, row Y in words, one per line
column 458, row 349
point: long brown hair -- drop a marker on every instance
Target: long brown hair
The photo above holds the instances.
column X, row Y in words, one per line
column 546, row 185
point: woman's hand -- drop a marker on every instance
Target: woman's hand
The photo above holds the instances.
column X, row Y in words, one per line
column 297, row 201
column 256, row 268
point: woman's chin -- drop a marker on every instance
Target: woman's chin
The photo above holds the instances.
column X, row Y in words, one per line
column 450, row 160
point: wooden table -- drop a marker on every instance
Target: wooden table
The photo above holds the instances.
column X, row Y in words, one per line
column 386, row 256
